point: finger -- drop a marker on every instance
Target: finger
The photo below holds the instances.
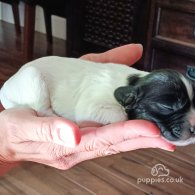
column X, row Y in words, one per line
column 94, row 138
column 123, row 130
column 140, row 142
column 56, row 130
column 63, row 158
column 25, row 126
column 129, row 145
column 127, row 54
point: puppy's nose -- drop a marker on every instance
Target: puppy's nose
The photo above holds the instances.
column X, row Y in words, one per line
column 192, row 130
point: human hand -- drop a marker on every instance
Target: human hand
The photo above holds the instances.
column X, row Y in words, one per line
column 127, row 55
column 26, row 137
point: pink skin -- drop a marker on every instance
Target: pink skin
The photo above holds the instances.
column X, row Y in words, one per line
column 57, row 142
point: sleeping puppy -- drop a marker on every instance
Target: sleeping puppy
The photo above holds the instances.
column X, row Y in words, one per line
column 105, row 93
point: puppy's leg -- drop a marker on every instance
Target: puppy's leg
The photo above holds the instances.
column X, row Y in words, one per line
column 26, row 88
column 101, row 113
column 111, row 113
column 47, row 112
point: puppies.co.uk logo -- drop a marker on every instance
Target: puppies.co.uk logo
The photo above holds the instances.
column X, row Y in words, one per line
column 160, row 174
column 159, row 170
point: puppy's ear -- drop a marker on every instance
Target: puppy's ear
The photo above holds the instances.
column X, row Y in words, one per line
column 133, row 79
column 126, row 96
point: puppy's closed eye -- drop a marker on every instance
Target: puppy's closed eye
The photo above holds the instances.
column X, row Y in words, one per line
column 164, row 108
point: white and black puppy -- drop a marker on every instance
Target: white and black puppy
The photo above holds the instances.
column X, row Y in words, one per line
column 81, row 91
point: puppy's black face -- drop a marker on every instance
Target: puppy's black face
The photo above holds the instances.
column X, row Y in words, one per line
column 164, row 97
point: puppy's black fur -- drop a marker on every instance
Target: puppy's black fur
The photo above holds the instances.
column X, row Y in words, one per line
column 160, row 97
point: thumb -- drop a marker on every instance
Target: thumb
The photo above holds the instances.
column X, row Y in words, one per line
column 49, row 129
column 126, row 54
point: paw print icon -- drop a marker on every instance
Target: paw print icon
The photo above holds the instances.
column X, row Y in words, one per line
column 159, row 170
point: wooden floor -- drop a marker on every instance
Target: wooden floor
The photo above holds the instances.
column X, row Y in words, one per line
column 115, row 175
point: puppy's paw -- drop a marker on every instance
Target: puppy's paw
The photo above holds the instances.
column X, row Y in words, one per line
column 47, row 113
column 110, row 114
column 100, row 113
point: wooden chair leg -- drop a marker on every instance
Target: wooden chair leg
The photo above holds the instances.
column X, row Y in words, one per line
column 16, row 17
column 69, row 38
column 29, row 28
column 48, row 25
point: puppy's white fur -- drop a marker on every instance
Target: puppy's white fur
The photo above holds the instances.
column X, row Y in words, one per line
column 73, row 88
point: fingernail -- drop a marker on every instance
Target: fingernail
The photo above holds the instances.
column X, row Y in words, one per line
column 69, row 136
column 170, row 149
column 139, row 45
